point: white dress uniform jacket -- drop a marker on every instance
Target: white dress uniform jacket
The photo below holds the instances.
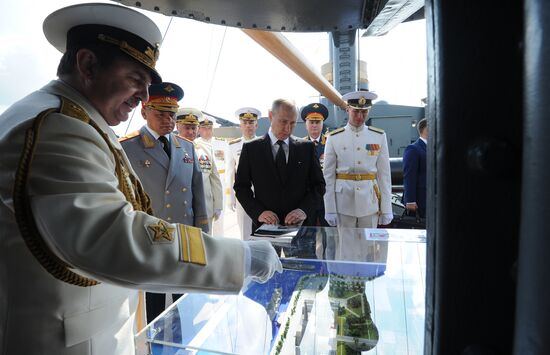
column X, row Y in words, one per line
column 212, row 183
column 174, row 184
column 362, row 150
column 86, row 221
column 231, row 163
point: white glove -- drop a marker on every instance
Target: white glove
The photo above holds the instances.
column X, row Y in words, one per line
column 232, row 203
column 217, row 213
column 385, row 218
column 331, row 219
column 264, row 261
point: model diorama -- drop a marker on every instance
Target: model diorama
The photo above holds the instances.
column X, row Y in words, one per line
column 319, row 307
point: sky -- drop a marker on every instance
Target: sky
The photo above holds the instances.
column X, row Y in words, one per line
column 219, row 68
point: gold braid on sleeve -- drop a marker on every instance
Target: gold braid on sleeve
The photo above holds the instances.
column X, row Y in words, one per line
column 128, row 184
column 25, row 220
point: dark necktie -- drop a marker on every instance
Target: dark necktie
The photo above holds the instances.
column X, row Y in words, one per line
column 165, row 145
column 280, row 161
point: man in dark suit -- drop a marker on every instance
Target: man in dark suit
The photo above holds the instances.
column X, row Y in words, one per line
column 414, row 172
column 285, row 174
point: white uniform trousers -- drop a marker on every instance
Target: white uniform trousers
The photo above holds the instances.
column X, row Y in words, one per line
column 217, row 226
column 244, row 221
column 370, row 221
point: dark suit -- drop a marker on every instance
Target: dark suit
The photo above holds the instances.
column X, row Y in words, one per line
column 303, row 187
column 414, row 175
column 320, row 154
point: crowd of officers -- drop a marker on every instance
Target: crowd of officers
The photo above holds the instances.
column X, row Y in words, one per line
column 187, row 188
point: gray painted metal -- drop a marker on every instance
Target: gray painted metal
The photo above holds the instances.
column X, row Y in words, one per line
column 393, row 13
column 533, row 305
column 280, row 15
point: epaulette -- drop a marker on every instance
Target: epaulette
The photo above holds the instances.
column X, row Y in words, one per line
column 69, row 108
column 376, row 129
column 336, row 131
column 185, row 139
column 129, row 136
column 237, row 140
column 219, row 139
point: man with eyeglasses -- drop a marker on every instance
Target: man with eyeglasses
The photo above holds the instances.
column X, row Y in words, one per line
column 357, row 169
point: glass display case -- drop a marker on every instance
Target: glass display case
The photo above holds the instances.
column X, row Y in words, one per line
column 342, row 291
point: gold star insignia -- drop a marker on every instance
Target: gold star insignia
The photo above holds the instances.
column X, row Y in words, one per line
column 162, row 232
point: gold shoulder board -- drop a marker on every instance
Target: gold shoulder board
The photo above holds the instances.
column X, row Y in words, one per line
column 129, row 136
column 235, row 141
column 376, row 129
column 185, row 139
column 72, row 109
column 336, row 131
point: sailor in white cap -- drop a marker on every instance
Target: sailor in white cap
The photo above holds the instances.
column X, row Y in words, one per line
column 248, row 123
column 357, row 169
column 219, row 146
column 188, row 120
column 78, row 236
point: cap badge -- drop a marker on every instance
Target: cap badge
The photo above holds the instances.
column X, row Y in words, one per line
column 315, row 106
column 169, row 88
column 248, row 115
column 362, row 101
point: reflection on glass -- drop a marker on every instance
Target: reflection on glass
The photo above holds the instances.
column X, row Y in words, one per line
column 343, row 291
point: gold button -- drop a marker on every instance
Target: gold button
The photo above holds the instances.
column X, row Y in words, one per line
column 185, row 215
column 167, row 192
column 184, row 189
column 359, row 162
column 358, row 148
column 358, row 188
column 168, row 205
column 168, row 218
column 357, row 135
column 185, row 202
column 344, row 148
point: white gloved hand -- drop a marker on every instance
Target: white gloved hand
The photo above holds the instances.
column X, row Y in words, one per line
column 385, row 219
column 232, row 203
column 331, row 219
column 217, row 213
column 264, row 261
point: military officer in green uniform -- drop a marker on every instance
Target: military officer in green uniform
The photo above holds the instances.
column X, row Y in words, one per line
column 78, row 238
column 357, row 169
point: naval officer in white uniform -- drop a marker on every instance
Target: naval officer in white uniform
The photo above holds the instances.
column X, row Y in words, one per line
column 248, row 121
column 188, row 120
column 357, row 170
column 77, row 240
